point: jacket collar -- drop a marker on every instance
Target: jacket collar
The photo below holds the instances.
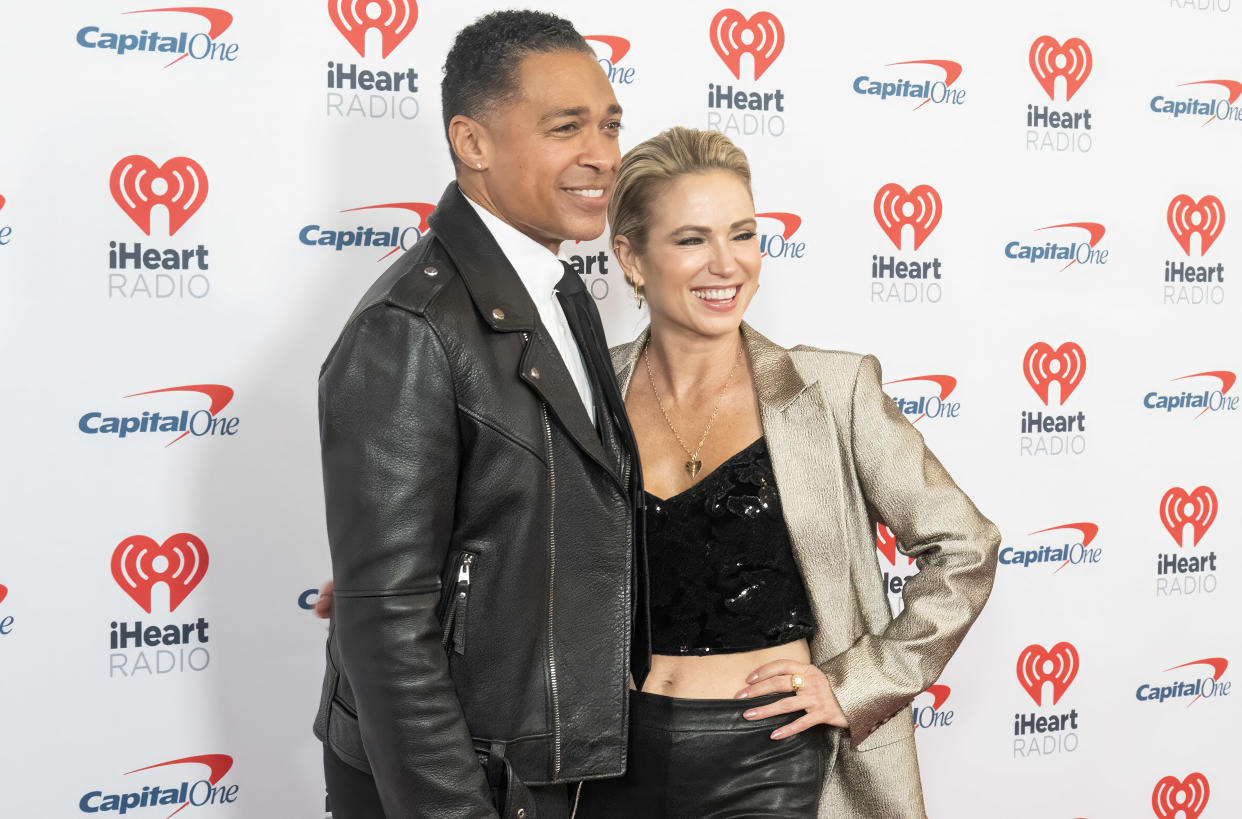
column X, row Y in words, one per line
column 504, row 304
column 777, row 381
column 494, row 286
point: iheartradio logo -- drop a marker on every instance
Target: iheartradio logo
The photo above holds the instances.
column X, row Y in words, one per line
column 4, row 592
column 1057, row 665
column 1174, row 798
column 895, row 208
column 138, row 563
column 1179, row 508
column 1043, row 366
column 138, row 185
column 393, row 19
column 1187, row 217
column 886, row 543
column 762, row 37
column 1050, row 59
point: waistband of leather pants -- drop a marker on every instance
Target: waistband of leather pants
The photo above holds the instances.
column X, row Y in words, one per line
column 681, row 714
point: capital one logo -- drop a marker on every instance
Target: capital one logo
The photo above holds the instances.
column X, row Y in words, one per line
column 139, row 562
column 1186, row 217
column 1050, row 59
column 393, row 19
column 781, row 244
column 202, row 792
column 1196, row 509
column 931, row 716
column 762, row 37
column 1057, row 665
column 138, row 185
column 1044, row 366
column 1173, row 798
column 895, row 208
column 933, row 405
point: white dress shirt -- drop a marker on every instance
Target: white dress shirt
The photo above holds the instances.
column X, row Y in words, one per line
column 540, row 271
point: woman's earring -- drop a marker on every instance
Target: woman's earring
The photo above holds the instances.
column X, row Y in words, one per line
column 638, row 297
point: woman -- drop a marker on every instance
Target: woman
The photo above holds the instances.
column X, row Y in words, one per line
column 766, row 470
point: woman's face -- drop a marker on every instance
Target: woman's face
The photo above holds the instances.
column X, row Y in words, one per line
column 700, row 267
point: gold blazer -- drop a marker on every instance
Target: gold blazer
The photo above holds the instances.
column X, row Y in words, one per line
column 845, row 457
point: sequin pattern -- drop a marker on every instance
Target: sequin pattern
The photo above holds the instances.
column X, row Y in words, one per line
column 722, row 572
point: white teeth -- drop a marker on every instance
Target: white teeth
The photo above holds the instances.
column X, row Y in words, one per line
column 589, row 193
column 716, row 293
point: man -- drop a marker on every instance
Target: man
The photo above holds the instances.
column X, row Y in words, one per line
column 480, row 475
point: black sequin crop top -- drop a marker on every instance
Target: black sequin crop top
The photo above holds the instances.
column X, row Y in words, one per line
column 722, row 572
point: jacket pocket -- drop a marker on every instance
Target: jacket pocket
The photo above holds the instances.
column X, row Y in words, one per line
column 457, row 610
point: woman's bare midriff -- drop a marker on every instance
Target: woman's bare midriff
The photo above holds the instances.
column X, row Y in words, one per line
column 714, row 676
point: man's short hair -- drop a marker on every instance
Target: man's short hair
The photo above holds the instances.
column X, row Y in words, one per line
column 482, row 70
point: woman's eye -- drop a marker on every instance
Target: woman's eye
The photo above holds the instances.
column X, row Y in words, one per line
column 690, row 240
column 567, row 128
column 745, row 237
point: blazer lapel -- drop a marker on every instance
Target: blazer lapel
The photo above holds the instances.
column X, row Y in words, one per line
column 805, row 446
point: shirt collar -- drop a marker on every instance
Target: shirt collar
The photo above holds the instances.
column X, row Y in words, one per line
column 539, row 268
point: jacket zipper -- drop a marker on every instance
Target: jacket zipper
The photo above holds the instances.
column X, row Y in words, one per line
column 556, row 703
column 455, row 619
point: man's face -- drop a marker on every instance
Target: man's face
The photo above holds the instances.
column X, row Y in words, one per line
column 553, row 150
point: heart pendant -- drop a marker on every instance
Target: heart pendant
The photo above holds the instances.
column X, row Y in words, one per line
column 693, row 466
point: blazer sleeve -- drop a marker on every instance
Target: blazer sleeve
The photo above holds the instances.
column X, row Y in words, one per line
column 954, row 547
column 390, row 444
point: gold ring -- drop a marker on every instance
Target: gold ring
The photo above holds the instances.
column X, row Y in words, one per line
column 795, row 682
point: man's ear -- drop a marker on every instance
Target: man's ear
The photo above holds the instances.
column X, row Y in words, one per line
column 628, row 259
column 471, row 142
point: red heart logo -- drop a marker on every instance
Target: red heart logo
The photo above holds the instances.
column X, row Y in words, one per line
column 4, row 592
column 886, row 542
column 1066, row 365
column 182, row 185
column 138, row 563
column 923, row 212
column 728, row 35
column 1037, row 665
column 394, row 19
column 1179, row 507
column 1075, row 59
column 1189, row 795
column 1187, row 217
column 1, row 202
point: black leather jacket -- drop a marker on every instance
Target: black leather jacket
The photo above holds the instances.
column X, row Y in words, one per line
column 485, row 547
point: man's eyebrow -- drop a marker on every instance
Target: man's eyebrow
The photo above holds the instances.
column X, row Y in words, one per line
column 579, row 111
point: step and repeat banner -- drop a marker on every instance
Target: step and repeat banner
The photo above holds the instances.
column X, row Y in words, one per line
column 1030, row 212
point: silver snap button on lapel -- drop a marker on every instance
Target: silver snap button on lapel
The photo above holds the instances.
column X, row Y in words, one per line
column 498, row 314
column 430, row 271
column 521, row 813
column 534, row 372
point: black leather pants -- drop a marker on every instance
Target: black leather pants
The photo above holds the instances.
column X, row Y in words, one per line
column 699, row 759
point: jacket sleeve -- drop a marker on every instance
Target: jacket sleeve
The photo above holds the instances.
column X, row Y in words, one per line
column 390, row 446
column 954, row 547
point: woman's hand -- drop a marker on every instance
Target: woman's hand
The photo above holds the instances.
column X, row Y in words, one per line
column 323, row 604
column 815, row 696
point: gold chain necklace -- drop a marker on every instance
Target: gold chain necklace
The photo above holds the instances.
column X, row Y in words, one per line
column 693, row 465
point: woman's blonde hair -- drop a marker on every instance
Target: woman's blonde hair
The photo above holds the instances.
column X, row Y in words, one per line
column 648, row 167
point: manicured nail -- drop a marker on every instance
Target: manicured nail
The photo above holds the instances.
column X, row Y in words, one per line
column 779, row 733
column 749, row 715
column 752, row 677
column 741, row 695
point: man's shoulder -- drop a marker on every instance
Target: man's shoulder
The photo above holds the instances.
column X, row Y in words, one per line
column 414, row 281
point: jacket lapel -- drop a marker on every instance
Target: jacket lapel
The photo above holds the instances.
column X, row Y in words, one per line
column 505, row 305
column 808, row 460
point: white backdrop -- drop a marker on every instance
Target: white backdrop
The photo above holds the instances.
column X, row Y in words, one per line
column 256, row 149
